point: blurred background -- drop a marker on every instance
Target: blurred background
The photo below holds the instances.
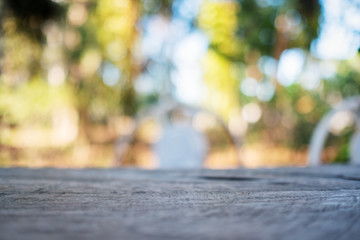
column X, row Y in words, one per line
column 255, row 75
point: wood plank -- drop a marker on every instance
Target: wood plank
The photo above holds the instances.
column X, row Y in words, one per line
column 296, row 203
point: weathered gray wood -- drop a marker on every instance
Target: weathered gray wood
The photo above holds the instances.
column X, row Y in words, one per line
column 287, row 203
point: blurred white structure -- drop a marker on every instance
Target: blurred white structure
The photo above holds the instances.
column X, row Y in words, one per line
column 351, row 106
column 180, row 143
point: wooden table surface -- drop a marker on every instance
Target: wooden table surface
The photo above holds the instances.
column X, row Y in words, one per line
column 283, row 203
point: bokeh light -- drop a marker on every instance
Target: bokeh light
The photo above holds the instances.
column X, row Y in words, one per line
column 254, row 78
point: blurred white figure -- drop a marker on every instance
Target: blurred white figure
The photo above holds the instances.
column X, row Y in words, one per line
column 351, row 105
column 181, row 146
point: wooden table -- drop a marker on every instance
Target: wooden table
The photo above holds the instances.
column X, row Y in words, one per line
column 283, row 203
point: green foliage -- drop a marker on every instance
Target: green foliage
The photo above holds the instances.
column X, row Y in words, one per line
column 94, row 35
column 32, row 102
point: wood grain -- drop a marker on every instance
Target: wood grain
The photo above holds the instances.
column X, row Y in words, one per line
column 285, row 203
